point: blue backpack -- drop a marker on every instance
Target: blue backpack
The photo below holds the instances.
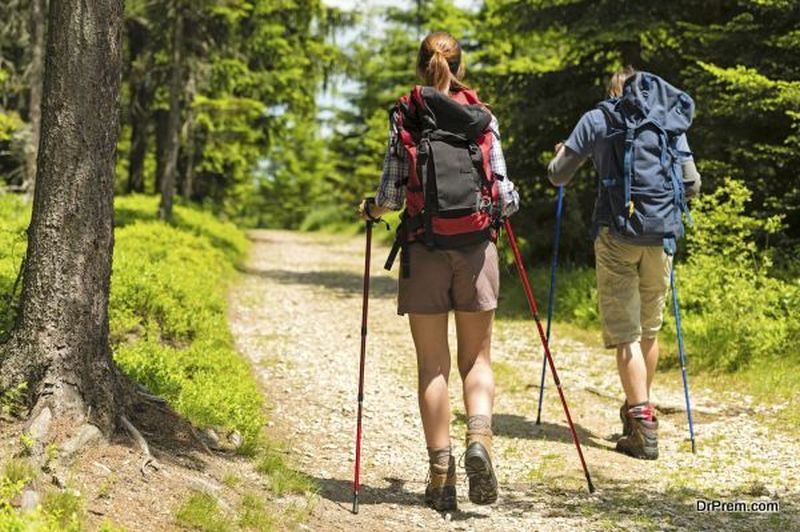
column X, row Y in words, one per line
column 645, row 195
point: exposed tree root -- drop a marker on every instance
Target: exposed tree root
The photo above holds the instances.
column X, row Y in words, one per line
column 149, row 461
column 199, row 439
column 145, row 393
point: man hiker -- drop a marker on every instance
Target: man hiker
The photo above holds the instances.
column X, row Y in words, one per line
column 637, row 142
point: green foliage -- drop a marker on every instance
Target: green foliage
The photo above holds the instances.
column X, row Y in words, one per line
column 59, row 512
column 201, row 512
column 733, row 313
column 250, row 71
column 14, row 214
column 12, row 401
column 576, row 295
column 10, row 123
column 168, row 315
column 65, row 509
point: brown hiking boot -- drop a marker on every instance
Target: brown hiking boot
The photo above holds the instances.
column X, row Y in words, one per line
column 642, row 442
column 626, row 422
column 478, row 463
column 440, row 493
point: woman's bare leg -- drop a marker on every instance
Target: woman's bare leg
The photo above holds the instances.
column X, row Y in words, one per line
column 433, row 369
column 474, row 330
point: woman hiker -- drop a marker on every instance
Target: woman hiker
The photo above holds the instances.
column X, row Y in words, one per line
column 444, row 161
column 635, row 226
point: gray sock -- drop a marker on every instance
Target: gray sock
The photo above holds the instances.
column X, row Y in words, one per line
column 479, row 425
column 439, row 457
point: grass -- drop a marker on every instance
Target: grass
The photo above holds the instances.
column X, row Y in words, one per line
column 65, row 508
column 201, row 512
column 254, row 515
column 282, row 478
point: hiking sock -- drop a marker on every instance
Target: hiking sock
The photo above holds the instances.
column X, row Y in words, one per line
column 642, row 411
column 479, row 429
column 479, row 424
column 439, row 458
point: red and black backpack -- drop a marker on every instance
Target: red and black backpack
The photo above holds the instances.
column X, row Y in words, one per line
column 452, row 198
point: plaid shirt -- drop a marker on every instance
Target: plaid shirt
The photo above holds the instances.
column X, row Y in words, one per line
column 395, row 170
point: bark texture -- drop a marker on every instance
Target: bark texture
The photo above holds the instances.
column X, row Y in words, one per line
column 60, row 344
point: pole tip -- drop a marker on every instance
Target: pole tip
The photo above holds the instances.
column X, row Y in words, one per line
column 694, row 447
column 589, row 481
column 355, row 503
column 538, row 420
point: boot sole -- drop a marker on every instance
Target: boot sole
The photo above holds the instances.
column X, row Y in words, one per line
column 482, row 481
column 644, row 455
column 446, row 502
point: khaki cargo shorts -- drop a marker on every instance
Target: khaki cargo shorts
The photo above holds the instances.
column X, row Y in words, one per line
column 465, row 279
column 632, row 283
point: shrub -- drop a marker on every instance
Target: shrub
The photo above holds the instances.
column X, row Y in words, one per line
column 733, row 312
column 169, row 325
column 14, row 216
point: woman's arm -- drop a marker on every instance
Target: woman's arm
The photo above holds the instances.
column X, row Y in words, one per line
column 509, row 197
column 391, row 192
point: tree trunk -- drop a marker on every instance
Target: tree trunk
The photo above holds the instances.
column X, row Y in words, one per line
column 173, row 122
column 140, row 117
column 187, row 184
column 38, row 31
column 161, row 118
column 60, row 344
column 141, row 95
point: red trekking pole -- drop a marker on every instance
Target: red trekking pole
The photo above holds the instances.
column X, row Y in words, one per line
column 532, row 303
column 364, row 310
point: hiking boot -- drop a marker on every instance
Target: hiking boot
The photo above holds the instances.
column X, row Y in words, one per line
column 440, row 493
column 626, row 422
column 642, row 442
column 478, row 463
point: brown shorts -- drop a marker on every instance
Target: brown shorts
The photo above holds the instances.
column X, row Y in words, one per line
column 465, row 279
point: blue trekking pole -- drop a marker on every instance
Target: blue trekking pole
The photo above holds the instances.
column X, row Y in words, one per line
column 551, row 296
column 681, row 352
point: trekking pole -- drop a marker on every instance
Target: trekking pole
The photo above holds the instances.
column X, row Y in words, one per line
column 681, row 352
column 551, row 296
column 364, row 310
column 532, row 303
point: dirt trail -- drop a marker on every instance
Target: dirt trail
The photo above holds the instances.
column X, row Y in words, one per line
column 296, row 316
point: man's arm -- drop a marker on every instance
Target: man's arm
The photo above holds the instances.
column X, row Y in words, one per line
column 564, row 165
column 691, row 178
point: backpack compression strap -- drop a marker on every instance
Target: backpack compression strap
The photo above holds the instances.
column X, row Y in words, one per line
column 630, row 133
